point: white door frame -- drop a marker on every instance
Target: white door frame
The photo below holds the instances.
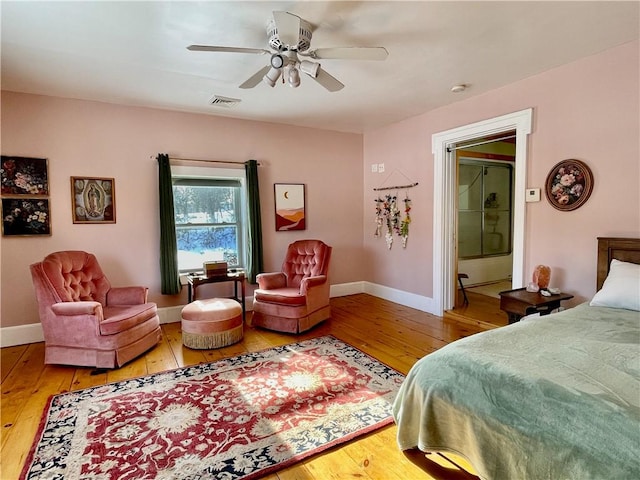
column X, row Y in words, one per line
column 444, row 201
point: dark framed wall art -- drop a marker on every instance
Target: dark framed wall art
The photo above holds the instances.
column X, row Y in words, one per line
column 569, row 184
column 93, row 200
column 24, row 176
column 25, row 216
column 25, row 188
column 290, row 206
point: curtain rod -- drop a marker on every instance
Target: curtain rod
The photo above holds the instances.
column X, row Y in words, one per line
column 228, row 162
column 449, row 149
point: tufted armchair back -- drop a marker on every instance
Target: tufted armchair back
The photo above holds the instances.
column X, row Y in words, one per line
column 305, row 258
column 75, row 276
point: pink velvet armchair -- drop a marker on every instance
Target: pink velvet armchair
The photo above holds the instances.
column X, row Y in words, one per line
column 297, row 298
column 85, row 321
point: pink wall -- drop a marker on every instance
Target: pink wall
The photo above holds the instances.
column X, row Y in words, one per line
column 588, row 110
column 93, row 139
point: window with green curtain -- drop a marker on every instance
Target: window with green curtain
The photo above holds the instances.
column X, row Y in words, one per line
column 203, row 219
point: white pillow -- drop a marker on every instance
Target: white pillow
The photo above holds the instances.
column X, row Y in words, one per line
column 621, row 288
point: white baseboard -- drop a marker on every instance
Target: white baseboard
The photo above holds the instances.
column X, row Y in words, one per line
column 344, row 289
column 21, row 334
column 412, row 300
column 32, row 333
column 170, row 314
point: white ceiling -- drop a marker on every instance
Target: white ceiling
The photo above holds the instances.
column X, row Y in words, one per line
column 134, row 53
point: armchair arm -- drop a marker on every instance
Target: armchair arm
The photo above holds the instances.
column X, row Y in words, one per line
column 127, row 296
column 78, row 308
column 74, row 323
column 269, row 281
column 308, row 283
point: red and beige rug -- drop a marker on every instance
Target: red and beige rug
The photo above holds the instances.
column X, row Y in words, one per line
column 237, row 418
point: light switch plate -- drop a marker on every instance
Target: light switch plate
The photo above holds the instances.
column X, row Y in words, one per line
column 374, row 168
column 532, row 195
column 381, row 168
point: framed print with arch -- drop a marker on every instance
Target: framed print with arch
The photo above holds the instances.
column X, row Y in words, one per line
column 93, row 200
column 290, row 206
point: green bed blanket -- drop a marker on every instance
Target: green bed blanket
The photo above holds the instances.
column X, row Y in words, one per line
column 552, row 397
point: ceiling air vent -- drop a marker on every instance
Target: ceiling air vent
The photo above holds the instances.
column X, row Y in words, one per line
column 224, row 102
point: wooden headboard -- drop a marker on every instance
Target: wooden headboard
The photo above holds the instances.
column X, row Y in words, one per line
column 623, row 249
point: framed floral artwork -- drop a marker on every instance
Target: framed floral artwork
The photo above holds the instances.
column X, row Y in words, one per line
column 24, row 176
column 569, row 184
column 25, row 216
column 93, row 200
column 290, row 206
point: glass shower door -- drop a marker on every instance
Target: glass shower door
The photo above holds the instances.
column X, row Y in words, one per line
column 484, row 208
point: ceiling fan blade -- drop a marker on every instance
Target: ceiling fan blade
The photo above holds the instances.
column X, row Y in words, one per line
column 327, row 81
column 256, row 78
column 349, row 53
column 288, row 26
column 213, row 48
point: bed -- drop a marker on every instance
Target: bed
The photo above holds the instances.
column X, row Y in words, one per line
column 550, row 397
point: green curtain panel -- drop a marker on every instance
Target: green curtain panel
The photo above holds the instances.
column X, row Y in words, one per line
column 169, row 275
column 255, row 257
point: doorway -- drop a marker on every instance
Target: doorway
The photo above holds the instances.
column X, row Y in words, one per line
column 445, row 202
column 485, row 173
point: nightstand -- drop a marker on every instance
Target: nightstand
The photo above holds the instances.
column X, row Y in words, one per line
column 518, row 303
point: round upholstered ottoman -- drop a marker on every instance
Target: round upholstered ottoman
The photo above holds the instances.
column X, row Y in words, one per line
column 211, row 323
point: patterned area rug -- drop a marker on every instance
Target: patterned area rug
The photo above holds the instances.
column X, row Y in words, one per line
column 237, row 418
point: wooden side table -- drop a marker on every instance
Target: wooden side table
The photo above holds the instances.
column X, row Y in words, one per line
column 194, row 281
column 518, row 303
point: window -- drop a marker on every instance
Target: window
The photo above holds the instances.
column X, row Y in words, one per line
column 209, row 221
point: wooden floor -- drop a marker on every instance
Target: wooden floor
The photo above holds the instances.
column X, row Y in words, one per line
column 394, row 334
column 481, row 311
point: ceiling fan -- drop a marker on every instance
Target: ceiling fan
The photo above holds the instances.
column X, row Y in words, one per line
column 290, row 38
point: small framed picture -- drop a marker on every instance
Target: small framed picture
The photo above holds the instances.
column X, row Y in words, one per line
column 24, row 176
column 93, row 200
column 290, row 206
column 25, row 216
column 569, row 184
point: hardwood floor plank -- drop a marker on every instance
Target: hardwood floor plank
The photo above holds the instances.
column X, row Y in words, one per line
column 85, row 377
column 160, row 357
column 394, row 334
column 296, row 472
column 10, row 357
column 18, row 386
column 374, row 458
column 335, row 464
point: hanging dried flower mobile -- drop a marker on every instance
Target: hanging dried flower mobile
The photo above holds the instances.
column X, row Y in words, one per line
column 404, row 226
column 389, row 214
column 379, row 217
column 389, row 206
column 395, row 215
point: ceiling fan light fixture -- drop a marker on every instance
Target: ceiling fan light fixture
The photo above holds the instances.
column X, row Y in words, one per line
column 310, row 68
column 272, row 76
column 293, row 78
column 277, row 60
